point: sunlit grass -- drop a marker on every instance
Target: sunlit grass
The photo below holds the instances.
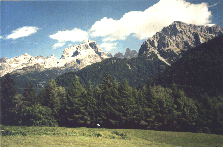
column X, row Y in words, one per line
column 61, row 136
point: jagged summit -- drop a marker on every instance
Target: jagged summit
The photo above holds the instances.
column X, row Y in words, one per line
column 172, row 41
column 87, row 46
column 178, row 23
column 88, row 41
column 26, row 54
column 128, row 54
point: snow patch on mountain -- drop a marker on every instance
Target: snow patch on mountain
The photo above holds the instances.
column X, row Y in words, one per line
column 73, row 58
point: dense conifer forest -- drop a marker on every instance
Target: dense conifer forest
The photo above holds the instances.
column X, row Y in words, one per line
column 134, row 70
column 111, row 105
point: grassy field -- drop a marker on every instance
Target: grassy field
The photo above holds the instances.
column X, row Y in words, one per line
column 92, row 137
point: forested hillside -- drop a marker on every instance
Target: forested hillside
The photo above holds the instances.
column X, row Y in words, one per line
column 39, row 79
column 200, row 68
column 134, row 70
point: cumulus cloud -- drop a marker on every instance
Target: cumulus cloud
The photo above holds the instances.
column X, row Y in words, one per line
column 59, row 44
column 144, row 24
column 108, row 46
column 75, row 35
column 108, row 39
column 70, row 35
column 0, row 37
column 22, row 32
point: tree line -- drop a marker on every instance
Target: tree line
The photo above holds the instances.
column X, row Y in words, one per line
column 110, row 104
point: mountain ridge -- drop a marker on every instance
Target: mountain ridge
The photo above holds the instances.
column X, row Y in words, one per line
column 73, row 58
column 89, row 52
column 174, row 40
column 201, row 67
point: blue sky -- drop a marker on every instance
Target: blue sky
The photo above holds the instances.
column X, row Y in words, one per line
column 48, row 27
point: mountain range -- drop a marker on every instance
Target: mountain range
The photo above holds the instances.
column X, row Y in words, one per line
column 128, row 54
column 89, row 62
column 73, row 58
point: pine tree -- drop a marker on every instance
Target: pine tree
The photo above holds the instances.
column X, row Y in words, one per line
column 127, row 104
column 166, row 108
column 185, row 113
column 8, row 91
column 151, row 109
column 115, row 97
column 110, row 109
column 105, row 94
column 106, row 82
column 105, row 106
column 52, row 100
column 91, row 105
column 29, row 95
column 61, row 115
column 138, row 110
column 140, row 102
column 53, row 96
column 18, row 103
column 76, row 104
column 98, row 111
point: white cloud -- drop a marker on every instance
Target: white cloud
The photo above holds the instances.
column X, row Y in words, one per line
column 108, row 46
column 22, row 32
column 70, row 35
column 1, row 37
column 69, row 45
column 59, row 44
column 109, row 39
column 144, row 24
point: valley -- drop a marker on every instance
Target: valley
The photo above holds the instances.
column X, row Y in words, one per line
column 167, row 88
column 61, row 136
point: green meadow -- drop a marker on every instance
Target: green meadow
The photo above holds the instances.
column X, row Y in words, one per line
column 13, row 136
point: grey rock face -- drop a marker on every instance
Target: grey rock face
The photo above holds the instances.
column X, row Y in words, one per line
column 128, row 54
column 172, row 41
column 85, row 46
column 109, row 55
column 3, row 60
column 119, row 55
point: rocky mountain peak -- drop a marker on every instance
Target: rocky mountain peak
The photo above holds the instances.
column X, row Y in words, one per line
column 128, row 54
column 3, row 60
column 52, row 57
column 89, row 45
column 26, row 54
column 88, row 41
column 172, row 41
